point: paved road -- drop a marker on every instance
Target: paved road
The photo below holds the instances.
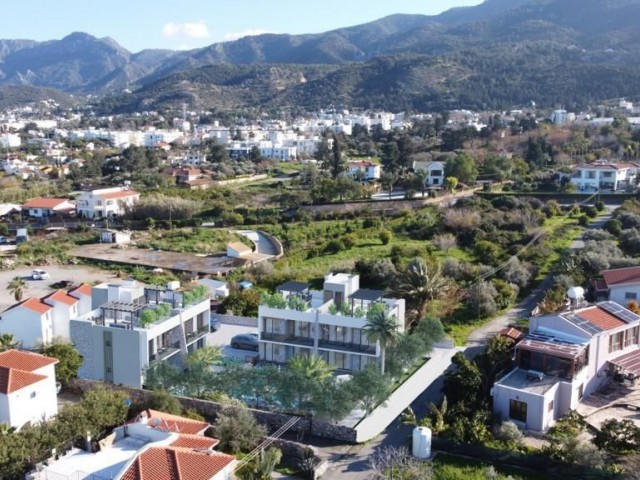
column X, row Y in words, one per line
column 353, row 463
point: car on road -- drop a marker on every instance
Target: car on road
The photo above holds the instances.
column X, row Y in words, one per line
column 39, row 275
column 245, row 341
column 4, row 241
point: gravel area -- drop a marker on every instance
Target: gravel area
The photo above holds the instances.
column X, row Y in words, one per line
column 39, row 288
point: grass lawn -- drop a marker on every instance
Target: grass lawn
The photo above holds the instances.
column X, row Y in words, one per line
column 452, row 467
column 192, row 240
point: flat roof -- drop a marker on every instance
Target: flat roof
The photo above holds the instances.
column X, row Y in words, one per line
column 519, row 380
column 366, row 294
column 124, row 307
column 294, row 287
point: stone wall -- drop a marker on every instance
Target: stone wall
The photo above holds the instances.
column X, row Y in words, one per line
column 209, row 410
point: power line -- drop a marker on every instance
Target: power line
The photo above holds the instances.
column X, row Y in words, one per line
column 267, row 442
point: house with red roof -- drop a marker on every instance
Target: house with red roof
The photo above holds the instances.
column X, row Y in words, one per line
column 566, row 357
column 620, row 285
column 48, row 207
column 27, row 388
column 106, row 202
column 154, row 446
column 39, row 320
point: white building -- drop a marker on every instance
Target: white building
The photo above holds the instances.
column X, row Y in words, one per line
column 365, row 170
column 566, row 357
column 434, row 172
column 106, row 202
column 195, row 158
column 119, row 339
column 326, row 323
column 48, row 207
column 156, row 445
column 621, row 285
column 156, row 137
column 10, row 140
column 35, row 321
column 590, row 177
column 217, row 289
column 27, row 388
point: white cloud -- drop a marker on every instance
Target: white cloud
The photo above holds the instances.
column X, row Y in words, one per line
column 247, row 33
column 197, row 30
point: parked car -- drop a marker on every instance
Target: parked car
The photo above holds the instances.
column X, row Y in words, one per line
column 214, row 323
column 245, row 341
column 39, row 275
column 4, row 241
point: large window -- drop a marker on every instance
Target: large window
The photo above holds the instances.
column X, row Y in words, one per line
column 630, row 296
column 631, row 336
column 616, row 342
column 517, row 411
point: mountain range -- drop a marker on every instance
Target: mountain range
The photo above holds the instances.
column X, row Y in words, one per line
column 497, row 54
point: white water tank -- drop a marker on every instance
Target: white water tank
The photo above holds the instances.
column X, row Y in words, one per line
column 576, row 293
column 422, row 442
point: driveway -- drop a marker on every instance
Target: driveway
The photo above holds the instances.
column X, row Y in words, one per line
column 222, row 338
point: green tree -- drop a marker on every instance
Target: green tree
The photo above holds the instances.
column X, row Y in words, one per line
column 323, row 151
column 383, row 328
column 333, row 161
column 463, row 385
column 163, row 401
column 418, row 283
column 8, row 342
column 17, row 287
column 104, row 408
column 242, row 302
column 463, row 167
column 237, row 428
column 261, row 466
column 369, row 387
column 208, row 355
column 311, row 367
column 450, row 183
column 69, row 360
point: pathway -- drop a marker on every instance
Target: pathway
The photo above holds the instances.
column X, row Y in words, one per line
column 353, row 462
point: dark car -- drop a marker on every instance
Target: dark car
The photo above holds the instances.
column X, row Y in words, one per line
column 245, row 341
column 214, row 323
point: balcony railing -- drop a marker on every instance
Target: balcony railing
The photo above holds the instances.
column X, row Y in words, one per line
column 163, row 354
column 286, row 338
column 347, row 347
column 198, row 334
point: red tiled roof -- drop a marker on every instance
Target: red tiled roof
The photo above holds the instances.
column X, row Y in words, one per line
column 12, row 379
column 33, row 304
column 115, row 195
column 600, row 285
column 84, row 289
column 194, row 441
column 512, row 333
column 27, row 361
column 175, row 423
column 601, row 318
column 170, row 463
column 42, row 202
column 61, row 296
column 622, row 275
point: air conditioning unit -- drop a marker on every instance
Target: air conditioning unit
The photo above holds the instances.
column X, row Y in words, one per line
column 534, row 375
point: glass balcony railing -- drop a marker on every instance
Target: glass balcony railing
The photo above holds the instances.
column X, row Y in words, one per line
column 347, row 347
column 287, row 338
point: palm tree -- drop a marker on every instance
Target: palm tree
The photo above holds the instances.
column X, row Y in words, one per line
column 311, row 367
column 209, row 355
column 418, row 284
column 383, row 328
column 8, row 342
column 17, row 287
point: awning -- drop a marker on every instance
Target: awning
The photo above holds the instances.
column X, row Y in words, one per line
column 629, row 362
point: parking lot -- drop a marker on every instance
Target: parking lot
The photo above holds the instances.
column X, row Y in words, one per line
column 222, row 338
column 75, row 274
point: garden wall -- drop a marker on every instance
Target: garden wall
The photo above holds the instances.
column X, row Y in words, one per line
column 209, row 410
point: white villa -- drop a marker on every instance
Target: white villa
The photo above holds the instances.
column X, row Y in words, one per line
column 601, row 175
column 565, row 358
column 434, row 171
column 326, row 323
column 106, row 202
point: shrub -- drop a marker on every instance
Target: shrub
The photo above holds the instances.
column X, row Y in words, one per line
column 509, row 434
column 613, row 226
column 618, row 436
column 591, row 212
column 333, row 246
column 482, row 299
column 237, row 428
column 162, row 401
column 385, row 236
column 583, row 220
column 600, row 206
column 148, row 317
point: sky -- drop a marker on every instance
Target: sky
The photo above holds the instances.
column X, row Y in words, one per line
column 185, row 24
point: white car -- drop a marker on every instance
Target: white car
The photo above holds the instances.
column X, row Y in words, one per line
column 39, row 275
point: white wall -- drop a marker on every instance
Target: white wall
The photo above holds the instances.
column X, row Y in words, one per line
column 33, row 403
column 27, row 326
column 617, row 293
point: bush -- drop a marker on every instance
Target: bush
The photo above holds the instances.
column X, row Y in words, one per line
column 591, row 212
column 385, row 236
column 583, row 220
column 613, row 226
column 237, row 428
column 333, row 246
column 482, row 299
column 600, row 206
column 509, row 434
column 162, row 401
column 618, row 436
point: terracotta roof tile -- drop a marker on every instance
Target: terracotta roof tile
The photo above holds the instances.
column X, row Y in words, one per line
column 61, row 296
column 33, row 304
column 512, row 334
column 601, row 318
column 195, row 441
column 116, row 195
column 12, row 379
column 84, row 289
column 622, row 275
column 44, row 202
column 27, row 361
column 170, row 463
column 175, row 423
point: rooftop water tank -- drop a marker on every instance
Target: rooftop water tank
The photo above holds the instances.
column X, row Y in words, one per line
column 575, row 293
column 422, row 443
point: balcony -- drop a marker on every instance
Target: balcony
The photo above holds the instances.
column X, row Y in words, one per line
column 347, row 347
column 198, row 334
column 162, row 354
column 286, row 338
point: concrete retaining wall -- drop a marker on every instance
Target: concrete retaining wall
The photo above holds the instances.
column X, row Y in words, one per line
column 277, row 244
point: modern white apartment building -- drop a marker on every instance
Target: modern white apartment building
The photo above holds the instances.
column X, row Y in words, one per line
column 326, row 323
column 120, row 338
column 106, row 202
column 601, row 175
